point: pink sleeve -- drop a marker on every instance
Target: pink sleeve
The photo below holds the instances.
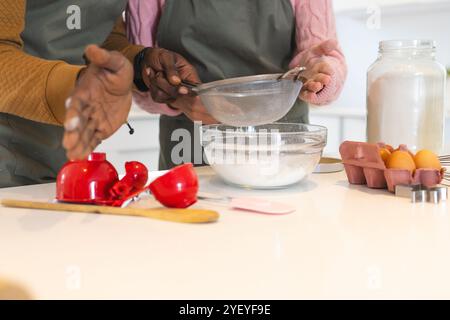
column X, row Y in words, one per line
column 315, row 23
column 142, row 19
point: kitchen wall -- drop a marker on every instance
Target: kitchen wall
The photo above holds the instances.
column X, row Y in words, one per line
column 360, row 42
column 360, row 32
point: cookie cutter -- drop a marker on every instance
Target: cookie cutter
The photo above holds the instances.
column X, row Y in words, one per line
column 437, row 194
column 420, row 194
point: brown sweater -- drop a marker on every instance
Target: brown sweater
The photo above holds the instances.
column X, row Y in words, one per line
column 34, row 88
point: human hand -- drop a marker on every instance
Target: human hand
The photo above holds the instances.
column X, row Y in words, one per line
column 319, row 72
column 100, row 102
column 193, row 108
column 163, row 72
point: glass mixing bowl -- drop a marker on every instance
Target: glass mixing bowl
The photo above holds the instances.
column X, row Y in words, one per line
column 264, row 157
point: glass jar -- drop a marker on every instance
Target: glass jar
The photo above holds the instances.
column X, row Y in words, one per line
column 406, row 96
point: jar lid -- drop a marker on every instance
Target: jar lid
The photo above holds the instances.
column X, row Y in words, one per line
column 407, row 44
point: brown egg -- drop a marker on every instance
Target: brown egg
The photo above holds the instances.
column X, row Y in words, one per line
column 401, row 160
column 389, row 148
column 385, row 154
column 403, row 147
column 425, row 159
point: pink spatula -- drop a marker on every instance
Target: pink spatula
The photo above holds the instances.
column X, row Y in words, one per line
column 257, row 205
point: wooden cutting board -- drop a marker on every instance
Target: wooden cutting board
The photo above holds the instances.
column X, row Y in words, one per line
column 166, row 214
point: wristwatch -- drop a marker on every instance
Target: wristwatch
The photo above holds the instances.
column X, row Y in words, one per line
column 138, row 61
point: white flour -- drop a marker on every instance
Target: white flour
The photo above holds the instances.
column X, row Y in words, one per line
column 257, row 169
column 407, row 107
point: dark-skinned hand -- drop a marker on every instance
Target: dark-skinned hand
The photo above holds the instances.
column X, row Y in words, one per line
column 163, row 73
column 193, row 108
column 100, row 102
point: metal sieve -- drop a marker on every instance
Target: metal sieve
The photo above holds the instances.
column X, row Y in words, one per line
column 249, row 101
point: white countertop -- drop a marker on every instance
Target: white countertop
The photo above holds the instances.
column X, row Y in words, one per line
column 343, row 242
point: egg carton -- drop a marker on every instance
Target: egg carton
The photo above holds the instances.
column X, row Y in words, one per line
column 364, row 166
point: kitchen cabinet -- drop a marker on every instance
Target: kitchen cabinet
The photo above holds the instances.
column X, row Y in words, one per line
column 343, row 242
column 142, row 146
column 342, row 124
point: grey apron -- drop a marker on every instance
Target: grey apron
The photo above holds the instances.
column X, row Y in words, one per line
column 225, row 39
column 31, row 152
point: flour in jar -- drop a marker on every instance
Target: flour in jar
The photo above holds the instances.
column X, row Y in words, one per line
column 406, row 107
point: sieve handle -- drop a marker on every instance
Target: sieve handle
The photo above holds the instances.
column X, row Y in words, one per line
column 293, row 72
column 191, row 86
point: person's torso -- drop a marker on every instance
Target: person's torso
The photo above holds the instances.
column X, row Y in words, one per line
column 230, row 38
column 60, row 29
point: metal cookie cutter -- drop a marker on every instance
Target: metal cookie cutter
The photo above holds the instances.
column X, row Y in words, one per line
column 437, row 195
column 420, row 194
